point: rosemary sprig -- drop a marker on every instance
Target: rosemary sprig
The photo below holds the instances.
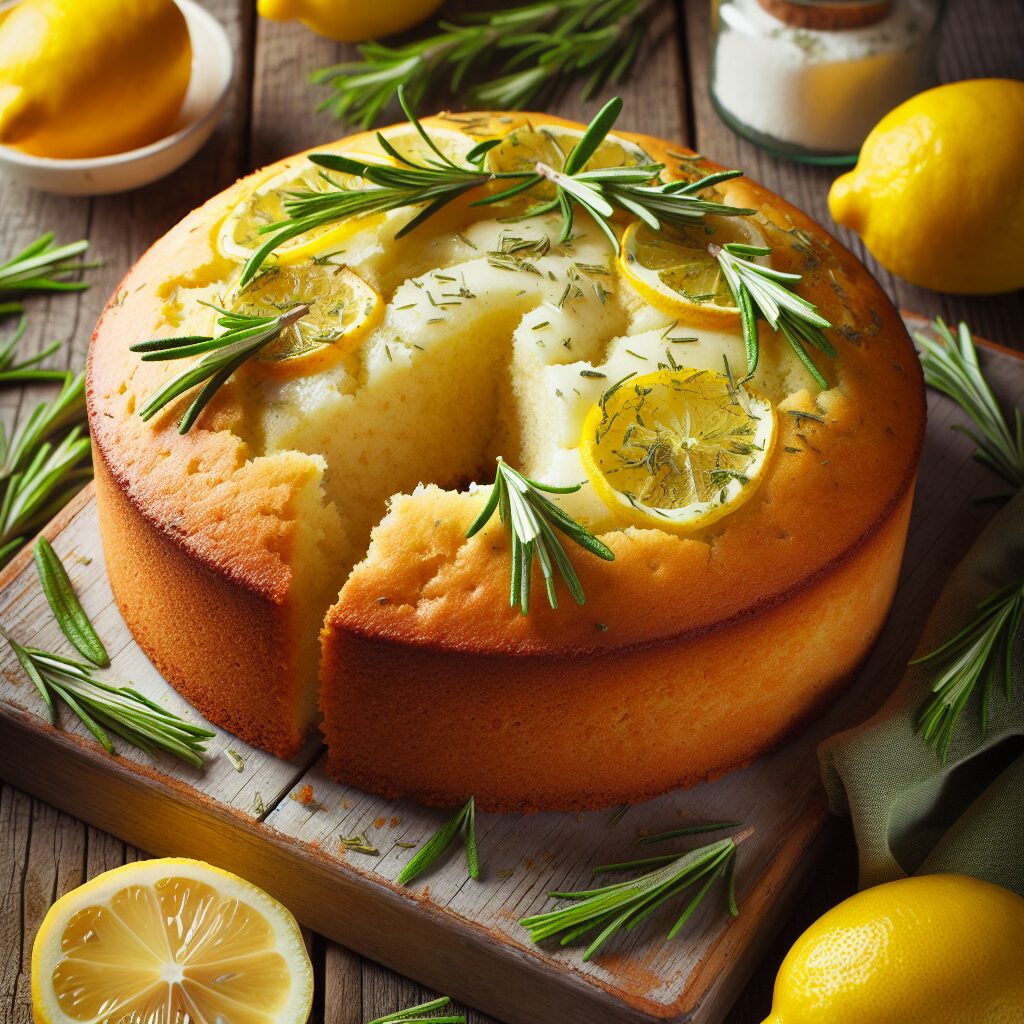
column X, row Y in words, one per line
column 951, row 366
column 624, row 905
column 530, row 518
column 38, row 473
column 64, row 604
column 432, row 184
column 437, row 180
column 633, row 190
column 42, row 267
column 241, row 337
column 759, row 291
column 419, row 1014
column 981, row 653
column 522, row 52
column 12, row 372
column 103, row 708
column 463, row 821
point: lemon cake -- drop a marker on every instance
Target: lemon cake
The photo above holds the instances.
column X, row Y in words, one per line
column 325, row 540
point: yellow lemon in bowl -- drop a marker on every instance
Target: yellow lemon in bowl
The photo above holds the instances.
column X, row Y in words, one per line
column 91, row 79
column 350, row 21
column 938, row 191
column 922, row 950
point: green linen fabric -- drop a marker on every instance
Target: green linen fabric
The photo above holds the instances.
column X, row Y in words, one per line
column 911, row 813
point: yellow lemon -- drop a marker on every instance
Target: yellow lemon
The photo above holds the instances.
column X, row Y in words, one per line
column 350, row 21
column 170, row 940
column 923, row 950
column 673, row 270
column 343, row 308
column 938, row 191
column 89, row 79
column 676, row 449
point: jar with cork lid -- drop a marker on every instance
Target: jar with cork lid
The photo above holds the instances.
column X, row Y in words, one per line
column 808, row 79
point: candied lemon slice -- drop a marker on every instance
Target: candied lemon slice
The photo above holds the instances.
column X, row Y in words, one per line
column 159, row 941
column 676, row 449
column 550, row 144
column 240, row 231
column 674, row 271
column 343, row 308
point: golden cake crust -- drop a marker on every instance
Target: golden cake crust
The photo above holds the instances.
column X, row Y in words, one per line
column 838, row 488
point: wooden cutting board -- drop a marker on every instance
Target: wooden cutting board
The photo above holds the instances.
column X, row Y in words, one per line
column 243, row 812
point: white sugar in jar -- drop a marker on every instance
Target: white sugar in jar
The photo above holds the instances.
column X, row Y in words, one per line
column 808, row 79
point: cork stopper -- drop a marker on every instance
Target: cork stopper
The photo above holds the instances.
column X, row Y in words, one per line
column 828, row 15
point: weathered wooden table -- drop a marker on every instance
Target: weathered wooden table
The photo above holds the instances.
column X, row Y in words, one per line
column 44, row 853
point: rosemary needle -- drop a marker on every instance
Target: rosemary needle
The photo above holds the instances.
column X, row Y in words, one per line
column 981, row 653
column 26, row 371
column 531, row 520
column 101, row 707
column 65, row 605
column 44, row 267
column 951, row 366
column 463, row 821
column 419, row 1014
column 689, row 830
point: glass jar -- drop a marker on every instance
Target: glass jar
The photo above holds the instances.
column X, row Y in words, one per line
column 808, row 79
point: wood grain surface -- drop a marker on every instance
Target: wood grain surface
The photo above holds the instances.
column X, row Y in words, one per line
column 44, row 853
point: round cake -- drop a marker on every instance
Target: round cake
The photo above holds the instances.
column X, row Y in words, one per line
column 321, row 543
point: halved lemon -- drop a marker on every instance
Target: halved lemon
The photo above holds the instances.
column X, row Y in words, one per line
column 343, row 308
column 239, row 236
column 677, row 449
column 159, row 941
column 673, row 270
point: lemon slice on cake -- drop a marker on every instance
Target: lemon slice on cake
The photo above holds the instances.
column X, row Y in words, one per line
column 676, row 449
column 170, row 940
column 673, row 270
column 550, row 144
column 240, row 231
column 343, row 308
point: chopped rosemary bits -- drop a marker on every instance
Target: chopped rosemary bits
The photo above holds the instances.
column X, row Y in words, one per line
column 101, row 707
column 359, row 843
column 463, row 821
column 64, row 604
column 529, row 517
column 236, row 759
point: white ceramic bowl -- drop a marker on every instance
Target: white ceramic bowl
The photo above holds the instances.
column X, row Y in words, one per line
column 212, row 71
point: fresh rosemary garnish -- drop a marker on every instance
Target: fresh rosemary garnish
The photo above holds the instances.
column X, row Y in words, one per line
column 419, row 1014
column 64, row 604
column 38, row 473
column 121, row 710
column 758, row 291
column 521, row 52
column 27, row 371
column 437, row 180
column 980, row 653
column 42, row 267
column 624, row 905
column 463, row 821
column 241, row 338
column 951, row 366
column 529, row 518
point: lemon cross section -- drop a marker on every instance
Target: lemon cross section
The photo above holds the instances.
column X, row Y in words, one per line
column 241, row 234
column 676, row 449
column 170, row 940
column 343, row 308
column 673, row 270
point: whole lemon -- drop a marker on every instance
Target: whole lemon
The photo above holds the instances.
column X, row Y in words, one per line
column 350, row 21
column 938, row 190
column 933, row 949
column 85, row 79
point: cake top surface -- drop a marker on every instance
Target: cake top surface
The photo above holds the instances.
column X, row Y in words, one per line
column 355, row 452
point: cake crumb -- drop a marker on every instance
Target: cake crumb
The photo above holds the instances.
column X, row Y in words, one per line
column 305, row 796
column 395, row 822
column 379, row 823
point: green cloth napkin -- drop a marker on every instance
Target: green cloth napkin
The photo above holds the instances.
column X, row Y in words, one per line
column 911, row 813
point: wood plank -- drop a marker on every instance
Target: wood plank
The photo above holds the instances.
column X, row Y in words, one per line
column 461, row 937
column 978, row 40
